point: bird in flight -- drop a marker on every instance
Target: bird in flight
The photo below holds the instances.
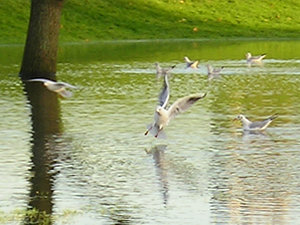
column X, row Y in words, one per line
column 191, row 64
column 163, row 115
column 58, row 87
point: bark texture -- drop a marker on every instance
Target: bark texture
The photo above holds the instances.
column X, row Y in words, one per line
column 39, row 58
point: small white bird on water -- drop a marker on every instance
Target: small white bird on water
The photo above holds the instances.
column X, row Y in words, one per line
column 257, row 125
column 162, row 71
column 58, row 87
column 162, row 115
column 191, row 64
column 213, row 72
column 254, row 59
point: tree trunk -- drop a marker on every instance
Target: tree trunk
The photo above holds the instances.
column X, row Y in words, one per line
column 39, row 59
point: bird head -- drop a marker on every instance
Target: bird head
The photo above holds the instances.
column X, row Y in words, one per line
column 248, row 55
column 239, row 117
column 159, row 109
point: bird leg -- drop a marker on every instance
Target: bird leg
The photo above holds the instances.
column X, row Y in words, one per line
column 157, row 133
column 148, row 131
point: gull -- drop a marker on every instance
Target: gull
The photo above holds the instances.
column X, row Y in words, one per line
column 163, row 71
column 191, row 64
column 257, row 125
column 162, row 115
column 213, row 72
column 58, row 87
column 254, row 59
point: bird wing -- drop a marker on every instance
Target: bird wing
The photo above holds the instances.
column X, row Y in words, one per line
column 164, row 95
column 258, row 58
column 187, row 60
column 258, row 125
column 65, row 84
column 65, row 93
column 183, row 104
column 262, row 56
column 41, row 80
column 262, row 124
column 194, row 64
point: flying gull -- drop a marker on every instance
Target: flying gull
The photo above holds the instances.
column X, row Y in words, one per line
column 58, row 87
column 162, row 115
column 191, row 64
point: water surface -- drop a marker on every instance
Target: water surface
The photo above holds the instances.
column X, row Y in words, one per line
column 91, row 163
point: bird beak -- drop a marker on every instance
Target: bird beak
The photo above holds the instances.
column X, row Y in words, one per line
column 235, row 119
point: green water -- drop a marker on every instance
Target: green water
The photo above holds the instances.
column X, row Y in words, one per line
column 88, row 162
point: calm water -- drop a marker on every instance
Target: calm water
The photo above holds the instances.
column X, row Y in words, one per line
column 85, row 160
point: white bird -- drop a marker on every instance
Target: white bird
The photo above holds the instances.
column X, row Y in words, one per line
column 257, row 125
column 191, row 64
column 162, row 115
column 213, row 72
column 58, row 87
column 163, row 71
column 254, row 59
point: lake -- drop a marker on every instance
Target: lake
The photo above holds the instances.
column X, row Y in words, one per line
column 86, row 160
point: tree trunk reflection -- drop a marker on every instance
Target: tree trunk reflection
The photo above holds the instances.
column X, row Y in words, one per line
column 46, row 128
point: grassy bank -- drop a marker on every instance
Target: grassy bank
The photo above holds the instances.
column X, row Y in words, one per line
column 90, row 20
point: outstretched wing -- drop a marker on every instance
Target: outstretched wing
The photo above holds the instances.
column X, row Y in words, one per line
column 187, row 60
column 194, row 64
column 40, row 80
column 183, row 104
column 65, row 84
column 65, row 93
column 164, row 95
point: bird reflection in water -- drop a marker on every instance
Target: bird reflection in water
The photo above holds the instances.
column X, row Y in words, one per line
column 158, row 153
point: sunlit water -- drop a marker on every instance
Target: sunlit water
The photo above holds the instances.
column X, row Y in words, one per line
column 103, row 170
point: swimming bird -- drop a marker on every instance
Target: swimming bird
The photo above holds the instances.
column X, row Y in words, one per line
column 213, row 72
column 58, row 87
column 191, row 64
column 163, row 71
column 257, row 125
column 162, row 115
column 254, row 59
